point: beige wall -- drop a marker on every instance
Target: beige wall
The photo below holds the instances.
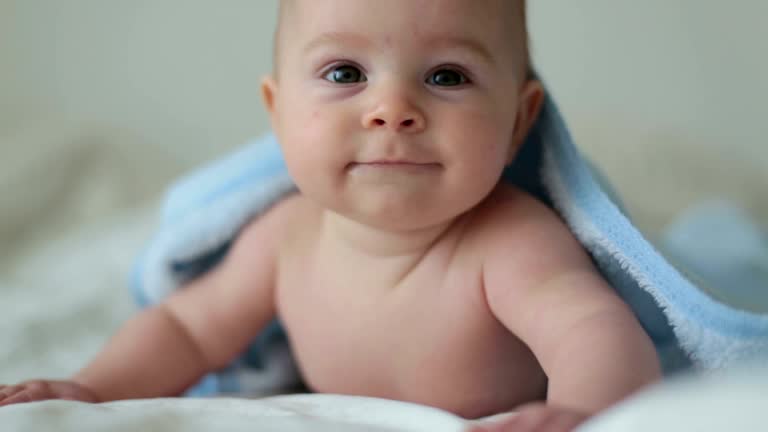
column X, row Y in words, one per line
column 668, row 96
column 659, row 92
column 177, row 74
column 695, row 65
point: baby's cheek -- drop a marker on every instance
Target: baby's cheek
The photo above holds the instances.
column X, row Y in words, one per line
column 310, row 123
column 308, row 146
column 300, row 126
column 483, row 140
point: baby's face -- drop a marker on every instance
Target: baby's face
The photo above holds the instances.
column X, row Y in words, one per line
column 400, row 114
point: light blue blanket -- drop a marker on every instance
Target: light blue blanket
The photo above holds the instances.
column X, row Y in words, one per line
column 204, row 211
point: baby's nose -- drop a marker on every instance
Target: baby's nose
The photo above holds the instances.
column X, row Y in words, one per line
column 399, row 116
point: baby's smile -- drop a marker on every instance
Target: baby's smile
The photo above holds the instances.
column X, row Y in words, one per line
column 400, row 166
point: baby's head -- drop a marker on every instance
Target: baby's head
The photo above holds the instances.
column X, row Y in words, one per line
column 400, row 114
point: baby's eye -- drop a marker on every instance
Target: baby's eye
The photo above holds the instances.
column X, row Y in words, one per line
column 447, row 78
column 345, row 74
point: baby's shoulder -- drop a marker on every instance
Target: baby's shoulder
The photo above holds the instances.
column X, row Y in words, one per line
column 512, row 222
column 509, row 209
column 279, row 224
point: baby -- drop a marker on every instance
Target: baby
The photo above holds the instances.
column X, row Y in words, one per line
column 403, row 255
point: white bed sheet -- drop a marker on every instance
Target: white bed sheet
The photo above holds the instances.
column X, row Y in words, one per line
column 736, row 402
column 318, row 413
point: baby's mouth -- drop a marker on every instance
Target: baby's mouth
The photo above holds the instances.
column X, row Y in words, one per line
column 393, row 164
column 392, row 167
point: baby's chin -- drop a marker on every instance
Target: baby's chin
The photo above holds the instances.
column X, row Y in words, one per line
column 397, row 200
column 397, row 210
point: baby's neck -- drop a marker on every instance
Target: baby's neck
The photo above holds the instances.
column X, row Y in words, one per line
column 376, row 242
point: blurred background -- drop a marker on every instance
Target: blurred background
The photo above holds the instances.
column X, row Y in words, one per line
column 103, row 102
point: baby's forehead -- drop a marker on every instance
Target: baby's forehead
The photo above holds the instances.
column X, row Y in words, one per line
column 409, row 21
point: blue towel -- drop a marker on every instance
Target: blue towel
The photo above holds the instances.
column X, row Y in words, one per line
column 204, row 211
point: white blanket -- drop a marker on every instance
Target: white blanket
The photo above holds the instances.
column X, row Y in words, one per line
column 704, row 404
column 318, row 413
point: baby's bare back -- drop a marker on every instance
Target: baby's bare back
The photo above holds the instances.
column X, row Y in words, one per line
column 358, row 326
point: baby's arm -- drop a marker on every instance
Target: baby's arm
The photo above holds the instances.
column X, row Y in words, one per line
column 200, row 328
column 548, row 293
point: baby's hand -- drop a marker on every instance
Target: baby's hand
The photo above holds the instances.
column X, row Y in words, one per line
column 537, row 417
column 37, row 390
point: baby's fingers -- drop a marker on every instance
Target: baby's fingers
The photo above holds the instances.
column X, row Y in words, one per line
column 25, row 392
column 19, row 397
column 8, row 393
column 537, row 417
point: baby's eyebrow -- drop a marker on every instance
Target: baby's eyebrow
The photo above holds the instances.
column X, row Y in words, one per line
column 433, row 41
column 335, row 38
column 439, row 41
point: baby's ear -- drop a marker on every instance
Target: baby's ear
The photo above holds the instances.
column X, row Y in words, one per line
column 269, row 94
column 528, row 109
